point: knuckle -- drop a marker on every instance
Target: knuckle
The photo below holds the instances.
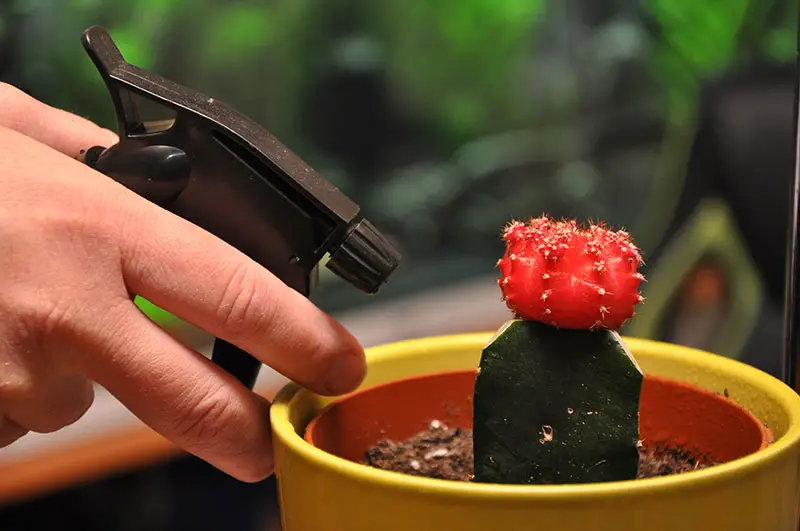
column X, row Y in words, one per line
column 46, row 315
column 243, row 311
column 208, row 417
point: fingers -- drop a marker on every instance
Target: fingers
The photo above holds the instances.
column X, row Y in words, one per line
column 181, row 395
column 68, row 237
column 61, row 130
column 193, row 274
column 177, row 266
column 62, row 295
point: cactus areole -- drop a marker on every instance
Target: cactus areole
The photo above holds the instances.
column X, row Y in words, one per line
column 557, row 392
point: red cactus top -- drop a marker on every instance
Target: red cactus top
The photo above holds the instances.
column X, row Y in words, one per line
column 564, row 275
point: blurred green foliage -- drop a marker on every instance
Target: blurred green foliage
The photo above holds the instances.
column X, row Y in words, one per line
column 699, row 39
column 461, row 64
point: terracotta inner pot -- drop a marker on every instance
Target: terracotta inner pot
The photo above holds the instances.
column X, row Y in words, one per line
column 671, row 413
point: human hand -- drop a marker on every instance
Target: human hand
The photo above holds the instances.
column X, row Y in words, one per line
column 75, row 246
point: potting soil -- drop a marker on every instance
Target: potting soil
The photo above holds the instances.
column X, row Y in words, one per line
column 446, row 453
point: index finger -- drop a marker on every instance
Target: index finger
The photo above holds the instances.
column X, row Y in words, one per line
column 200, row 278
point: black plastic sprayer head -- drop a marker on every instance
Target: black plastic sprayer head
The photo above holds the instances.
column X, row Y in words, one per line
column 207, row 163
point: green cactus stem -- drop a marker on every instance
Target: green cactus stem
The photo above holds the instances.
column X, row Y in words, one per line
column 555, row 406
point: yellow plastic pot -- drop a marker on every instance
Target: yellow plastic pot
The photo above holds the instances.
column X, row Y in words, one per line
column 321, row 492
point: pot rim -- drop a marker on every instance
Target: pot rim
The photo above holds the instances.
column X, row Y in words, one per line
column 765, row 433
column 280, row 418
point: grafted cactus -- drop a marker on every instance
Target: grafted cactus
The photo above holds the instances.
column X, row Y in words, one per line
column 557, row 394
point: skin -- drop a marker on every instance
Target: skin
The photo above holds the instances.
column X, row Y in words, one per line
column 75, row 247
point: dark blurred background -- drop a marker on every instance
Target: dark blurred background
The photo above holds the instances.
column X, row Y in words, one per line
column 671, row 118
